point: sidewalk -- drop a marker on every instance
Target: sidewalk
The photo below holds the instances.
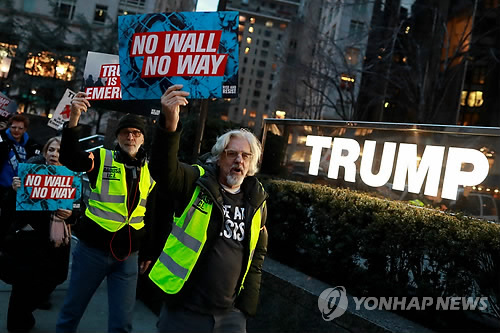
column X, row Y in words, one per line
column 95, row 319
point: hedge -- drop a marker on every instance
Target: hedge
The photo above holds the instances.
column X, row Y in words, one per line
column 377, row 247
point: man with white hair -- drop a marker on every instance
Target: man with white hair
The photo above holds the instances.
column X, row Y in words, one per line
column 211, row 263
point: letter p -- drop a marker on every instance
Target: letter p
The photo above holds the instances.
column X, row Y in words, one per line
column 454, row 176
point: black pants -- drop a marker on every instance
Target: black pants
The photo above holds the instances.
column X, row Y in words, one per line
column 7, row 211
column 185, row 320
column 24, row 299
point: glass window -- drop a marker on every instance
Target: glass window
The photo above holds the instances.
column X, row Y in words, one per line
column 356, row 30
column 100, row 13
column 65, row 9
column 47, row 64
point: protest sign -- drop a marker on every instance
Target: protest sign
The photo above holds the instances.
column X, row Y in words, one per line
column 47, row 187
column 63, row 109
column 7, row 106
column 196, row 49
column 102, row 86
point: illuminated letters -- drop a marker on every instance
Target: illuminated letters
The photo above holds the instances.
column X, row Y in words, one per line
column 407, row 171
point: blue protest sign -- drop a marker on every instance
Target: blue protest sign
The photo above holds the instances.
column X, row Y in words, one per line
column 196, row 49
column 47, row 187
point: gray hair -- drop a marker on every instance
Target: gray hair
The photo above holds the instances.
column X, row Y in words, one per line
column 255, row 147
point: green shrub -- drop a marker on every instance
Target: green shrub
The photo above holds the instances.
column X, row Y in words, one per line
column 379, row 247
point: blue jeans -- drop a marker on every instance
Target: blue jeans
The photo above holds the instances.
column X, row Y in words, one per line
column 89, row 268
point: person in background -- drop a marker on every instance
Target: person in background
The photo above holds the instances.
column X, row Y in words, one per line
column 211, row 265
column 114, row 223
column 15, row 147
column 41, row 246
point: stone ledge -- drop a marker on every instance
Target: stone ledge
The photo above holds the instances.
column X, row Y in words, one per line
column 289, row 303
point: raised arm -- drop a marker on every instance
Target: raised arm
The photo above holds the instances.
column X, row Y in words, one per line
column 165, row 167
column 171, row 101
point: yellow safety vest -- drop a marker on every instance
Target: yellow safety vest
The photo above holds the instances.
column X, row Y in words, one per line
column 108, row 200
column 186, row 240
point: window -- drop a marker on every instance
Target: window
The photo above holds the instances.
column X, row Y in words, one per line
column 267, row 33
column 356, row 30
column 256, row 93
column 65, row 9
column 352, row 55
column 264, row 53
column 255, row 104
column 346, row 82
column 253, row 114
column 249, row 40
column 134, row 3
column 260, row 73
column 474, row 99
column 100, row 13
column 258, row 83
column 269, row 24
column 47, row 64
column 250, row 29
column 262, row 63
column 265, row 43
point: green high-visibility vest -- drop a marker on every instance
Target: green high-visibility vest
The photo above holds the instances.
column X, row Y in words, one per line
column 108, row 200
column 186, row 240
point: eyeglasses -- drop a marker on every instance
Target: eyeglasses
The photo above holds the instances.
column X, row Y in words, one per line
column 135, row 134
column 232, row 154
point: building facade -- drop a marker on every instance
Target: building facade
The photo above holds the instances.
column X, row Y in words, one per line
column 44, row 43
column 264, row 36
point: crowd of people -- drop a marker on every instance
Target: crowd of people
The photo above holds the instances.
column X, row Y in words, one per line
column 204, row 259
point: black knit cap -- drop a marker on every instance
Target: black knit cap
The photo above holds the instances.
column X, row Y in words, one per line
column 132, row 121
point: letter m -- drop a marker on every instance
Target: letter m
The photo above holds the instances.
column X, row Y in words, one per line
column 138, row 44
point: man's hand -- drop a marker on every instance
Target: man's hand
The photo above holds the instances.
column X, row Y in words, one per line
column 63, row 213
column 143, row 266
column 16, row 183
column 79, row 104
column 171, row 101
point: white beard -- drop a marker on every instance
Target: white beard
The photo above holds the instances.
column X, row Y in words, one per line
column 235, row 180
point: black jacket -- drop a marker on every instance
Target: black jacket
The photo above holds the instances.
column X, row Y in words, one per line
column 35, row 253
column 127, row 239
column 179, row 180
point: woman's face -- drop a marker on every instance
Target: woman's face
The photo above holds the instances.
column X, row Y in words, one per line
column 52, row 154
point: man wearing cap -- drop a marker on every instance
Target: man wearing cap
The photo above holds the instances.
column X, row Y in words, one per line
column 114, row 222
